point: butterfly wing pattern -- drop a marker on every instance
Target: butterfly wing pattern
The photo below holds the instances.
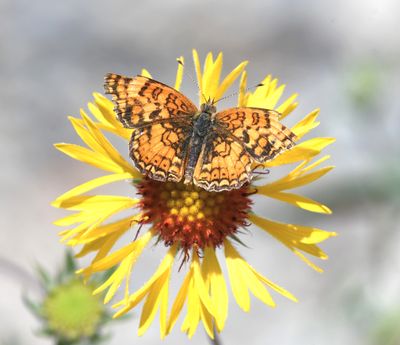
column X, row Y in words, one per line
column 259, row 130
column 161, row 119
column 239, row 136
column 159, row 150
column 141, row 100
column 223, row 164
column 169, row 142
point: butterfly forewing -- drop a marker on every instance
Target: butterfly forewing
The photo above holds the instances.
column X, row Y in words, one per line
column 141, row 100
column 259, row 130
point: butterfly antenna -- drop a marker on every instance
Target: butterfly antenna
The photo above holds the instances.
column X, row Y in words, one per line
column 194, row 81
column 237, row 92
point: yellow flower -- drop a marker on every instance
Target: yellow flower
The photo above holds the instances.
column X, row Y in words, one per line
column 189, row 221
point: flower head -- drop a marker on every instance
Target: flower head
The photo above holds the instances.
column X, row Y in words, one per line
column 191, row 217
column 185, row 219
column 72, row 311
column 69, row 311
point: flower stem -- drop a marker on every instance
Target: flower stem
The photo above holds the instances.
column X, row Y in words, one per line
column 23, row 277
column 216, row 340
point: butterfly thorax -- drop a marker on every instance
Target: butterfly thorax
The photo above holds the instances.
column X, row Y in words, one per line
column 202, row 124
column 203, row 119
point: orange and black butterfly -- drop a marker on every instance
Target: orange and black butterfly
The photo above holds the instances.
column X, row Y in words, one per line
column 173, row 140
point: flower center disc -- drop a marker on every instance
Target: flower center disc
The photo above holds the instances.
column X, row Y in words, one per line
column 190, row 216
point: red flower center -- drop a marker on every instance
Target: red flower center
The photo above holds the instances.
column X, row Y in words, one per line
column 193, row 217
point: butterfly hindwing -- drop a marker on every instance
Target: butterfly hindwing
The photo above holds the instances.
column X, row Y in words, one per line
column 141, row 100
column 259, row 130
column 159, row 150
column 223, row 164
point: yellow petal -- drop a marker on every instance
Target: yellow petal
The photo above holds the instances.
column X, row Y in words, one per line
column 97, row 182
column 197, row 67
column 138, row 296
column 239, row 289
column 300, row 201
column 267, row 95
column 275, row 95
column 164, row 306
column 179, row 301
column 145, row 73
column 218, row 290
column 297, row 177
column 303, row 151
column 317, row 237
column 312, row 249
column 114, row 126
column 257, row 97
column 79, row 229
column 106, row 146
column 207, row 320
column 296, row 233
column 193, row 314
column 105, row 113
column 295, row 236
column 158, row 292
column 69, row 220
column 301, row 180
column 307, row 261
column 94, row 233
column 89, row 157
column 253, row 280
column 90, row 247
column 255, row 286
column 229, row 79
column 95, row 202
column 135, row 298
column 308, row 167
column 274, row 286
column 104, row 249
column 207, row 64
column 85, row 135
column 116, row 257
column 200, row 285
column 287, row 106
column 211, row 77
column 307, row 124
column 104, row 230
column 179, row 73
column 242, row 90
column 200, row 305
column 98, row 114
column 115, row 280
column 107, row 117
column 94, row 211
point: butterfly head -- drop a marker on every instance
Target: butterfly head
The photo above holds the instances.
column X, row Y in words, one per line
column 208, row 107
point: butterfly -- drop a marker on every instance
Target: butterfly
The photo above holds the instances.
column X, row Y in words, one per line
column 173, row 140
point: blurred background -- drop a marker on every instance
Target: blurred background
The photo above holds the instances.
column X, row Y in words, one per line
column 341, row 56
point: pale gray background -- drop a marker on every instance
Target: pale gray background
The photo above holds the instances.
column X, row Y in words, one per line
column 342, row 56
